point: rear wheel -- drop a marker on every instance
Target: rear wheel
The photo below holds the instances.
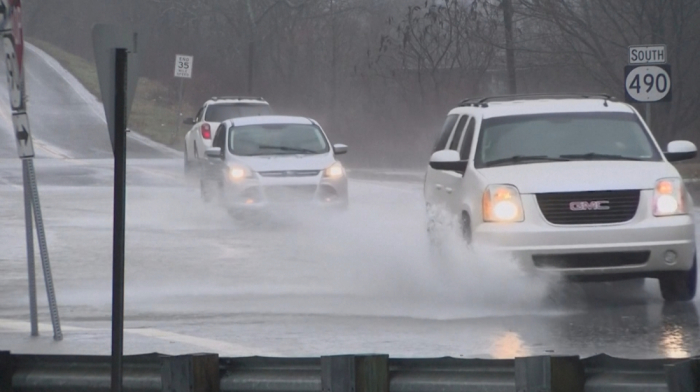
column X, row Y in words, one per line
column 679, row 286
column 188, row 164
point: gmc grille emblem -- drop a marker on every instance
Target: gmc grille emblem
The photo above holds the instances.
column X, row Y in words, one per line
column 598, row 205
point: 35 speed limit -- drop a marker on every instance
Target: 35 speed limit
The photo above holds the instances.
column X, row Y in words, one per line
column 648, row 83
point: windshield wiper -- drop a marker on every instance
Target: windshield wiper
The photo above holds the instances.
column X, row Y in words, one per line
column 525, row 159
column 292, row 149
column 596, row 156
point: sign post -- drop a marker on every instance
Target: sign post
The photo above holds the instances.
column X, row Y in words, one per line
column 648, row 77
column 116, row 55
column 13, row 45
column 183, row 70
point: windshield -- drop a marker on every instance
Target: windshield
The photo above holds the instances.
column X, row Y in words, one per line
column 277, row 139
column 223, row 112
column 562, row 137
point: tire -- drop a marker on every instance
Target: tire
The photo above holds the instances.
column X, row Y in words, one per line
column 188, row 165
column 466, row 228
column 679, row 286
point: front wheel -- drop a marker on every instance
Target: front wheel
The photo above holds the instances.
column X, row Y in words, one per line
column 466, row 226
column 679, row 286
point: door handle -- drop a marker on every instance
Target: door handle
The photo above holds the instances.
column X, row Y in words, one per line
column 438, row 186
column 449, row 190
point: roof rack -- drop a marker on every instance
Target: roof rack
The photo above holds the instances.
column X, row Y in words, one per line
column 239, row 98
column 483, row 101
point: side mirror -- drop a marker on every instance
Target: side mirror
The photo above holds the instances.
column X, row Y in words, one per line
column 448, row 160
column 339, row 149
column 189, row 121
column 214, row 152
column 680, row 150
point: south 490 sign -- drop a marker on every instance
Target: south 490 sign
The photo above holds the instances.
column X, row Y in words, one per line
column 648, row 83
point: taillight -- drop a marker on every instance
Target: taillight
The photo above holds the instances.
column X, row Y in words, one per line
column 206, row 131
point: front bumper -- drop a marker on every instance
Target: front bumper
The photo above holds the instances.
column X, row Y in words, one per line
column 637, row 248
column 264, row 192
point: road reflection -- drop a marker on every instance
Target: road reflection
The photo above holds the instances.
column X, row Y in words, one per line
column 508, row 346
column 679, row 329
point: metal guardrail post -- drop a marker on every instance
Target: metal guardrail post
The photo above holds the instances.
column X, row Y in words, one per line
column 351, row 373
column 191, row 373
column 683, row 376
column 6, row 371
column 549, row 374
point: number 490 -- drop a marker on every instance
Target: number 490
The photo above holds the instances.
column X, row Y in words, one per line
column 659, row 81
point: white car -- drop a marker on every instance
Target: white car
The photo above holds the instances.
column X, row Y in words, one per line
column 575, row 185
column 256, row 162
column 198, row 139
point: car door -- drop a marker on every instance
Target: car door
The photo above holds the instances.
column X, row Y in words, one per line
column 452, row 180
column 460, row 184
column 435, row 179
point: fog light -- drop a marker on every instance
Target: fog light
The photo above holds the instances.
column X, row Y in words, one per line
column 249, row 201
column 670, row 257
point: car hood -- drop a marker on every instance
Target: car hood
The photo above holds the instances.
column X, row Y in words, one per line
column 287, row 162
column 577, row 176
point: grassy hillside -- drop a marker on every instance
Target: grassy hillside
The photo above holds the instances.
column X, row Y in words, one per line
column 154, row 112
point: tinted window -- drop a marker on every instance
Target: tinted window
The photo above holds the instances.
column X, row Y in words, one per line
column 554, row 135
column 277, row 139
column 223, row 112
column 467, row 140
column 445, row 133
column 454, row 145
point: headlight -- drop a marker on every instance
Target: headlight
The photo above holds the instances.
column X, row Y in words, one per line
column 239, row 172
column 669, row 197
column 501, row 203
column 334, row 171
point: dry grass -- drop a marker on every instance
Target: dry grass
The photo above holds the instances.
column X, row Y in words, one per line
column 154, row 112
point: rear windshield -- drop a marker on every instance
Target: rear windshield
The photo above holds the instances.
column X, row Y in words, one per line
column 569, row 135
column 277, row 139
column 222, row 112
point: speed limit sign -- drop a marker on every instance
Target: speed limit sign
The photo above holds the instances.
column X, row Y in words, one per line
column 648, row 83
column 183, row 66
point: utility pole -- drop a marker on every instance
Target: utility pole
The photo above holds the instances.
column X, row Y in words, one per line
column 334, row 62
column 510, row 52
column 251, row 46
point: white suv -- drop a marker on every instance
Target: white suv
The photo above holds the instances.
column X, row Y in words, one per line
column 575, row 185
column 263, row 161
column 214, row 111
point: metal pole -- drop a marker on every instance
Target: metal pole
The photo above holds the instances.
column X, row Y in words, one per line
column 648, row 114
column 31, row 270
column 179, row 109
column 44, row 251
column 334, row 63
column 119, row 220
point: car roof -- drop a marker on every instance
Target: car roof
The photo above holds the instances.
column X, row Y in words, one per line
column 234, row 100
column 261, row 120
column 526, row 106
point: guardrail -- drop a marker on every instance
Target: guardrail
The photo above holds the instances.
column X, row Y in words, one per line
column 347, row 373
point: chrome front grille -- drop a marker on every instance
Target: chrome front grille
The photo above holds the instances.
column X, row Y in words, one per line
column 290, row 173
column 580, row 208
